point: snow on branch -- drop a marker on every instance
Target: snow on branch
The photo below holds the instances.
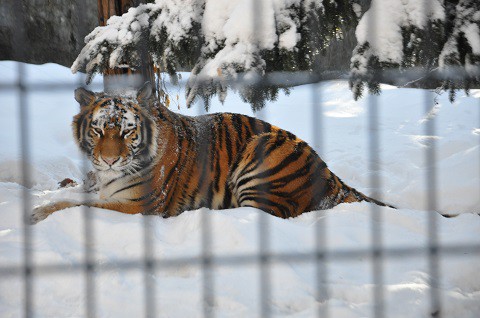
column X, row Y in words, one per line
column 218, row 40
column 463, row 44
column 401, row 34
column 221, row 41
column 164, row 27
column 387, row 33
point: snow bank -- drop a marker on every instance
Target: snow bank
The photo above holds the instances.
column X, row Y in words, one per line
column 59, row 239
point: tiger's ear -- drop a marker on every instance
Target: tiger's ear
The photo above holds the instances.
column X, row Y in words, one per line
column 84, row 97
column 144, row 93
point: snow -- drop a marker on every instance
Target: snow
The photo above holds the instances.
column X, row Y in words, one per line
column 176, row 17
column 467, row 23
column 402, row 118
column 389, row 17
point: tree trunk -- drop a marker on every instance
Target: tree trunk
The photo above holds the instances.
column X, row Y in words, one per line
column 111, row 78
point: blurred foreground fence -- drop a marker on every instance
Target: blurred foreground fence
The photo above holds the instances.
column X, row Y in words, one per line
column 209, row 262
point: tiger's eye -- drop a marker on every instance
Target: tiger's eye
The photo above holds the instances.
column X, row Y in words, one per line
column 98, row 131
column 126, row 132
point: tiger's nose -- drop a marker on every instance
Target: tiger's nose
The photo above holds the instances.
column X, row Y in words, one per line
column 110, row 161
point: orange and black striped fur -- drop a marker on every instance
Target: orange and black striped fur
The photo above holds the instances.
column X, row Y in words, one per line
column 153, row 161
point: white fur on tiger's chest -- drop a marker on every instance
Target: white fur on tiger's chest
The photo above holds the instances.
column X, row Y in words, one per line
column 110, row 190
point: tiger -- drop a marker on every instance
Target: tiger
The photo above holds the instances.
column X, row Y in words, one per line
column 153, row 161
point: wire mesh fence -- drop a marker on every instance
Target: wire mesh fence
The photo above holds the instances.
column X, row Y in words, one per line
column 322, row 256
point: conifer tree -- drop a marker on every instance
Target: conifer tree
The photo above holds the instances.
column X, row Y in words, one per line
column 462, row 46
column 427, row 36
column 218, row 42
column 221, row 42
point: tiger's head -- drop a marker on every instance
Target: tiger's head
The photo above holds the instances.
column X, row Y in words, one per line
column 117, row 133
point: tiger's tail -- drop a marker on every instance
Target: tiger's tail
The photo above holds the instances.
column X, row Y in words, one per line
column 338, row 192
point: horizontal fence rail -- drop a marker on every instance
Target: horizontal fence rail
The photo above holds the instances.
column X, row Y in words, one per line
column 246, row 259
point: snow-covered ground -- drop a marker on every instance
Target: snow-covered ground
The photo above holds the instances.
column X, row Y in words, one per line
column 60, row 238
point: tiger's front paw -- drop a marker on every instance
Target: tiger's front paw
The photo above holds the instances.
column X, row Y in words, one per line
column 42, row 212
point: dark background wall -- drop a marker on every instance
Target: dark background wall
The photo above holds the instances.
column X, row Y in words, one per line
column 53, row 29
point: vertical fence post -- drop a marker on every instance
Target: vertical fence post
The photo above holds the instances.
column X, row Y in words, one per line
column 145, row 72
column 432, row 226
column 19, row 47
column 320, row 231
column 206, row 264
column 376, row 215
column 264, row 239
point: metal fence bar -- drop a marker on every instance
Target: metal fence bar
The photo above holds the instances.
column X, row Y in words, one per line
column 48, row 87
column 458, row 250
column 207, row 270
column 320, row 233
column 264, row 258
column 374, row 168
column 23, row 115
column 150, row 306
column 89, row 259
column 431, row 182
column 263, row 219
column 392, row 76
column 265, row 261
column 27, row 202
column 89, row 254
column 208, row 287
column 376, row 233
column 149, row 268
column 88, row 230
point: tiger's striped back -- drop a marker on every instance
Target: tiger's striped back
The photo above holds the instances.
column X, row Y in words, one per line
column 196, row 168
